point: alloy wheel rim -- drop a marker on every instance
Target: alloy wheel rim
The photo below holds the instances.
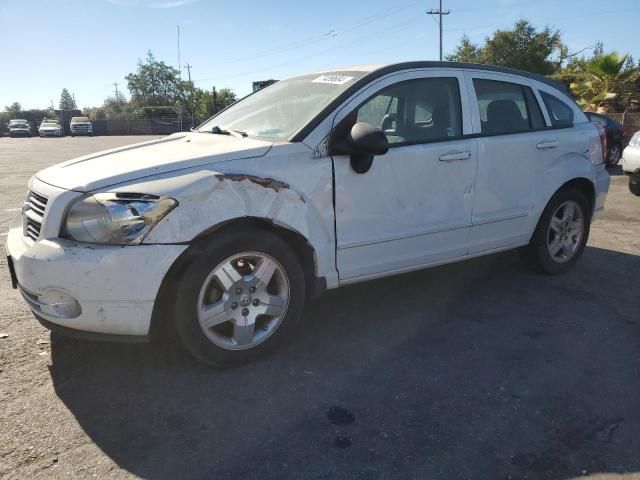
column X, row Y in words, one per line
column 565, row 231
column 243, row 300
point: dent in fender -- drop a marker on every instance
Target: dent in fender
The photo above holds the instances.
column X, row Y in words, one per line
column 212, row 198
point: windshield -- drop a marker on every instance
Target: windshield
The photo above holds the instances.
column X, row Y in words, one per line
column 283, row 108
column 17, row 122
column 79, row 120
column 50, row 125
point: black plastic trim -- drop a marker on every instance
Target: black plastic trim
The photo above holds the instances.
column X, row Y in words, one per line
column 92, row 336
column 301, row 134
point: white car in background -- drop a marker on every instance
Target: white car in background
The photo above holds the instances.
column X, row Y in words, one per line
column 312, row 183
column 50, row 129
column 631, row 163
column 80, row 126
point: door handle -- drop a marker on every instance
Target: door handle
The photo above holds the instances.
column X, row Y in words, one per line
column 544, row 145
column 454, row 156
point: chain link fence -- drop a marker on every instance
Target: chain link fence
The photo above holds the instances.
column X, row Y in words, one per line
column 629, row 120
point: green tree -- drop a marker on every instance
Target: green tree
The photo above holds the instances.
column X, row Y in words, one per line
column 14, row 109
column 466, row 51
column 154, row 83
column 604, row 82
column 522, row 47
column 66, row 100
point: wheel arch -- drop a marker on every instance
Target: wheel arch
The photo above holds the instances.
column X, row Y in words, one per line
column 166, row 296
column 584, row 186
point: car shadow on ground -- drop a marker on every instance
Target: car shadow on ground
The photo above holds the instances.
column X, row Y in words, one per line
column 473, row 370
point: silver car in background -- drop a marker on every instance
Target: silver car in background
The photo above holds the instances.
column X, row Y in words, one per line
column 50, row 129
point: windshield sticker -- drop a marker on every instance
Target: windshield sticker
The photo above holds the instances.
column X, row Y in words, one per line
column 333, row 79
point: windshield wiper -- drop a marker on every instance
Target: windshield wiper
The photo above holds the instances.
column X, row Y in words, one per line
column 222, row 131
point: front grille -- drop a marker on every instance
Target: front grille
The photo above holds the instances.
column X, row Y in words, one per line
column 32, row 214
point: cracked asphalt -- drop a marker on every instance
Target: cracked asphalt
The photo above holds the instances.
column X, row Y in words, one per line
column 476, row 370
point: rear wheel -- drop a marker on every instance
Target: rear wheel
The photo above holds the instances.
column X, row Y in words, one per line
column 634, row 185
column 614, row 154
column 561, row 234
column 240, row 298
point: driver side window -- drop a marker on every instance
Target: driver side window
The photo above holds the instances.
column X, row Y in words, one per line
column 416, row 111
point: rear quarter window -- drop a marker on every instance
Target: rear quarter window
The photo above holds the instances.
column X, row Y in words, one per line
column 560, row 114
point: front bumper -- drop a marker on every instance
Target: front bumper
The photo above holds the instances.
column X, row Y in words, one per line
column 19, row 133
column 50, row 134
column 98, row 289
column 631, row 161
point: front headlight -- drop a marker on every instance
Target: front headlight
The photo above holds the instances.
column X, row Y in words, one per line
column 115, row 218
column 635, row 140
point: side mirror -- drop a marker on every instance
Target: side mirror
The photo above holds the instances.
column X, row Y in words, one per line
column 363, row 142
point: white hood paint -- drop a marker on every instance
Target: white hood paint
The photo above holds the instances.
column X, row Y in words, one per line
column 175, row 152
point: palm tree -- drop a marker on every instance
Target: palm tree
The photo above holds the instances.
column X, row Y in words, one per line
column 602, row 81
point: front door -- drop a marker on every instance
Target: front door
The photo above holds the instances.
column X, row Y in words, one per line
column 413, row 206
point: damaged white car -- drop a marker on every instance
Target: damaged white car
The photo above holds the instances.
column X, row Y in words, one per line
column 312, row 183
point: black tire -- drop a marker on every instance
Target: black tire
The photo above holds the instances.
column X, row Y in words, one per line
column 210, row 255
column 536, row 255
column 614, row 154
column 634, row 185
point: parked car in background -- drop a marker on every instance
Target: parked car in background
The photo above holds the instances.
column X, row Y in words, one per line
column 631, row 163
column 50, row 129
column 315, row 182
column 615, row 136
column 19, row 128
column 80, row 126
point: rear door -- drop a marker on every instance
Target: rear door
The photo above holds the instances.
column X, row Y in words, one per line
column 509, row 127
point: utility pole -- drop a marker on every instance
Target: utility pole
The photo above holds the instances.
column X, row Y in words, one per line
column 115, row 84
column 440, row 13
column 179, row 62
column 188, row 67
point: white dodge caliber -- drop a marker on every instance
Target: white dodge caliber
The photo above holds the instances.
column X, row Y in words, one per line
column 315, row 182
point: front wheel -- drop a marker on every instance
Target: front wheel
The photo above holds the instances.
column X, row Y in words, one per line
column 240, row 298
column 561, row 234
column 634, row 185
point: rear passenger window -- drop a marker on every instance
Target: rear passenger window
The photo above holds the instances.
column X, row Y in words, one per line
column 506, row 107
column 560, row 114
column 414, row 111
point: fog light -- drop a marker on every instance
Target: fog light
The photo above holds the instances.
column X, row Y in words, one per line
column 57, row 303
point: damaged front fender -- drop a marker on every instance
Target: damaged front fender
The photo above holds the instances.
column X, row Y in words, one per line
column 208, row 199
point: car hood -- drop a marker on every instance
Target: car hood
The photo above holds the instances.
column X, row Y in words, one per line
column 156, row 157
column 19, row 127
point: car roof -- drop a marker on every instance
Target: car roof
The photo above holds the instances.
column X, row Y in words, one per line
column 383, row 69
column 376, row 71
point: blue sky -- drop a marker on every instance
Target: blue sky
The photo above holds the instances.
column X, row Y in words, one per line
column 85, row 46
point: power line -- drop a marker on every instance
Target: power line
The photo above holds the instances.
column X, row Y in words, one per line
column 314, row 54
column 440, row 13
column 329, row 34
